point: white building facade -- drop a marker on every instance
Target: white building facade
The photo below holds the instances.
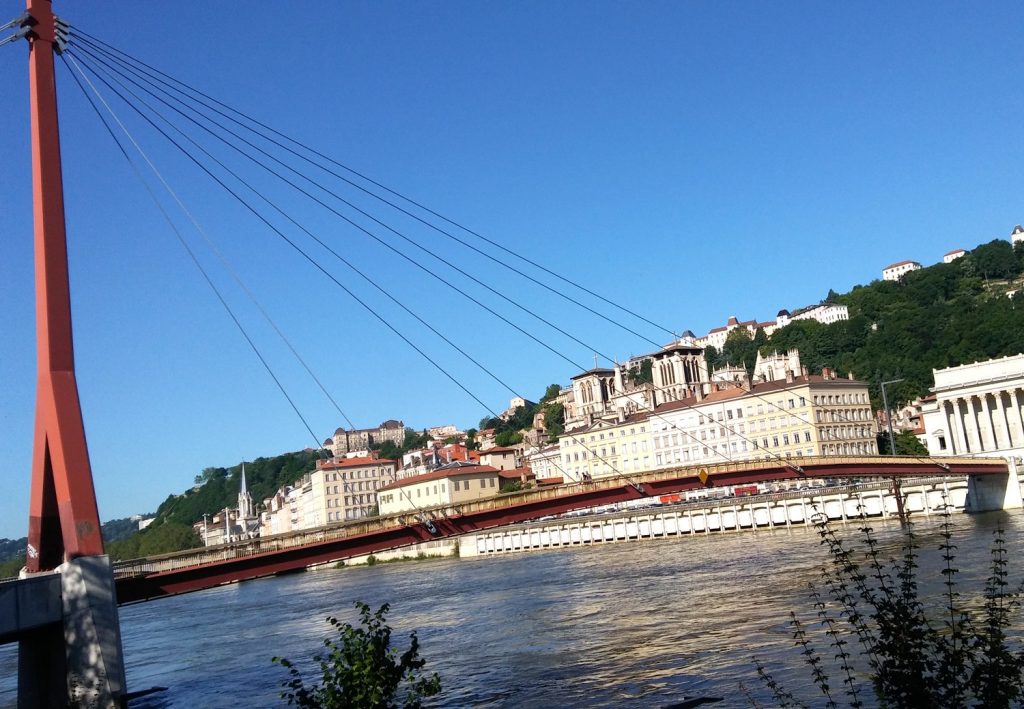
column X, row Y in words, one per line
column 899, row 269
column 977, row 409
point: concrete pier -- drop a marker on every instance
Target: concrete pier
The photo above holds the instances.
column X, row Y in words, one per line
column 66, row 625
column 986, row 493
column 924, row 497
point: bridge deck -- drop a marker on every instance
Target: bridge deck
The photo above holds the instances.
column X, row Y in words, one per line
column 203, row 568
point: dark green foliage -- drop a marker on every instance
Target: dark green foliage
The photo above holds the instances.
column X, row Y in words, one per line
column 514, row 486
column 554, row 420
column 906, row 444
column 508, row 438
column 362, row 669
column 940, row 316
column 118, row 529
column 914, row 658
column 220, row 486
column 13, row 548
column 9, row 568
column 550, row 394
column 644, row 373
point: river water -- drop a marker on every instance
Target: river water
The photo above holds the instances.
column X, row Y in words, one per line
column 643, row 624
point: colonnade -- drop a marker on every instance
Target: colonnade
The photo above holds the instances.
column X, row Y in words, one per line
column 986, row 422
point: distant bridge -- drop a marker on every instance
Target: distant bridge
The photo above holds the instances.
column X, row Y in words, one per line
column 195, row 570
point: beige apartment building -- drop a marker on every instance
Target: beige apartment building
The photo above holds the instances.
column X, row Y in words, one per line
column 606, row 448
column 797, row 416
column 346, row 489
column 448, row 485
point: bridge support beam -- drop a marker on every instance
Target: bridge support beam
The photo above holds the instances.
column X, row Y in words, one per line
column 989, row 492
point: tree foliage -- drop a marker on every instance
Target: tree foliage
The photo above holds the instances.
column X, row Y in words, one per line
column 936, row 317
column 362, row 669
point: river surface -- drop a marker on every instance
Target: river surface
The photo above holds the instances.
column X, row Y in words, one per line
column 642, row 624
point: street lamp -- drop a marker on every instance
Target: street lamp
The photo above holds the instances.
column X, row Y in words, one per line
column 206, row 535
column 888, row 415
column 896, row 490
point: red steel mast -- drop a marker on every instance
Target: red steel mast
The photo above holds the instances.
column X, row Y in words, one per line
column 63, row 519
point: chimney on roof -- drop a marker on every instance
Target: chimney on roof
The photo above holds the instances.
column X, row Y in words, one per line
column 700, row 392
column 621, row 415
column 849, row 375
column 803, row 371
column 826, row 373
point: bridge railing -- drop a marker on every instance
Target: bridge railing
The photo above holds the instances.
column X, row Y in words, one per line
column 276, row 543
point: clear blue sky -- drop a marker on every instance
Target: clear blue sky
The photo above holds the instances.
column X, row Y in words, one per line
column 691, row 160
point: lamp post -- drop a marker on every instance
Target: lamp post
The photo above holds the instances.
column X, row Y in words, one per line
column 897, row 492
column 206, row 535
column 888, row 415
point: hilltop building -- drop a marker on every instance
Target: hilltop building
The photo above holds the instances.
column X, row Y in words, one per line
column 1017, row 235
column 951, row 256
column 362, row 439
column 896, row 271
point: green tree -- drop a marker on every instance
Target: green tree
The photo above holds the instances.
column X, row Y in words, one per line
column 508, row 438
column 554, row 420
column 642, row 373
column 362, row 669
column 551, row 393
column 167, row 537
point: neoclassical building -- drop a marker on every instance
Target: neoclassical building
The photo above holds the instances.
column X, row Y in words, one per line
column 977, row 409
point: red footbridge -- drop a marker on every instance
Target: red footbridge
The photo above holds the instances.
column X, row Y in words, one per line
column 194, row 570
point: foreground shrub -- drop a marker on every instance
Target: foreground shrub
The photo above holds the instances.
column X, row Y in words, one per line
column 876, row 629
column 361, row 669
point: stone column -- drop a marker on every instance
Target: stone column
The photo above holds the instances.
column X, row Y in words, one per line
column 960, row 419
column 1016, row 416
column 974, row 430
column 953, row 444
column 988, row 435
column 1004, row 416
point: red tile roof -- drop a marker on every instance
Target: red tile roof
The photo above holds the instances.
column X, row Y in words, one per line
column 356, row 463
column 898, row 263
column 440, row 474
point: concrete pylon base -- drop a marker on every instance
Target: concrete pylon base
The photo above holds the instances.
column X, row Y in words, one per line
column 986, row 493
column 77, row 662
column 92, row 634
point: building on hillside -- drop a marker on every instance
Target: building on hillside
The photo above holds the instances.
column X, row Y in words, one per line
column 896, row 271
column 951, row 256
column 768, row 368
column 284, row 510
column 545, row 462
column 362, row 439
column 677, row 370
column 826, row 313
column 486, row 438
column 345, row 490
column 517, row 402
column 442, row 433
column 231, row 524
column 796, row 415
column 424, row 460
column 501, row 457
column 717, row 336
column 604, row 448
column 448, row 485
column 977, row 409
column 1017, row 235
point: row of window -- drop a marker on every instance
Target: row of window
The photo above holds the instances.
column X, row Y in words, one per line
column 357, row 474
